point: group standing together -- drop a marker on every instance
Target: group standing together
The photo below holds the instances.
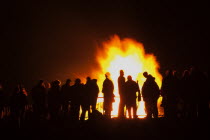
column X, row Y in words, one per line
column 74, row 101
column 187, row 97
column 130, row 94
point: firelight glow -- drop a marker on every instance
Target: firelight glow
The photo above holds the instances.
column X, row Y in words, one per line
column 128, row 55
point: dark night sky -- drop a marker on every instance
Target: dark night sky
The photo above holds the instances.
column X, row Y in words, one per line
column 52, row 40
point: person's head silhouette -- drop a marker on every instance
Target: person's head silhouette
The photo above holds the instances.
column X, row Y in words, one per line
column 68, row 81
column 145, row 74
column 77, row 81
column 121, row 73
column 129, row 77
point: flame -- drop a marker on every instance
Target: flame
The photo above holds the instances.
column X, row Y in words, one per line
column 129, row 55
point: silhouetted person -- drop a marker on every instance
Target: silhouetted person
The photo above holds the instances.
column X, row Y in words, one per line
column 200, row 94
column 121, row 89
column 66, row 93
column 108, row 91
column 13, row 101
column 85, row 98
column 169, row 92
column 185, row 86
column 150, row 94
column 94, row 95
column 54, row 98
column 131, row 87
column 77, row 91
column 18, row 103
column 39, row 95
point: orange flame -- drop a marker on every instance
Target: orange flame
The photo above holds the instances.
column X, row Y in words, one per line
column 129, row 55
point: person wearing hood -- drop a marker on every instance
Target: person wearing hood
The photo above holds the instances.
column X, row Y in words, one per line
column 150, row 94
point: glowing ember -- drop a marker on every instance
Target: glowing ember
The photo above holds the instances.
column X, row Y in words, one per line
column 129, row 55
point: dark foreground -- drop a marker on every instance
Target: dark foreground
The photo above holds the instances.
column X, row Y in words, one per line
column 114, row 129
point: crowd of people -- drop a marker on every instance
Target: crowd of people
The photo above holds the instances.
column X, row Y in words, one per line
column 190, row 93
column 184, row 97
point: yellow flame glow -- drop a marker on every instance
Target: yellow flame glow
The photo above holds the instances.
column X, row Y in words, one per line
column 129, row 55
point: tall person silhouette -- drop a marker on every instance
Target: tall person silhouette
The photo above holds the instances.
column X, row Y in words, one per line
column 131, row 87
column 108, row 91
column 121, row 89
column 66, row 92
column 150, row 93
column 39, row 97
